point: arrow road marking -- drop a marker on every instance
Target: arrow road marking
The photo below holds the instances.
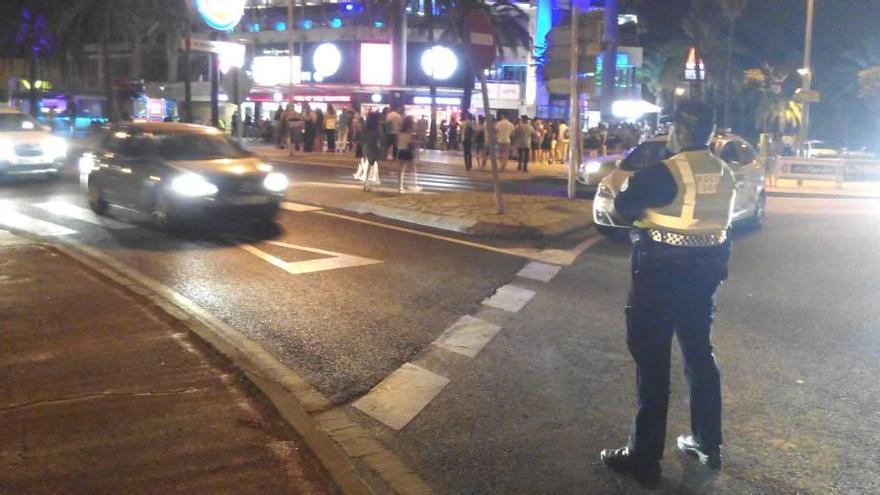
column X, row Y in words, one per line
column 333, row 262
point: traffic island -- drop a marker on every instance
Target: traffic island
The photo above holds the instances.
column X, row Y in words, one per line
column 473, row 213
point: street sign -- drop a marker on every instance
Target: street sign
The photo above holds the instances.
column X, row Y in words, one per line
column 807, row 96
column 236, row 85
column 479, row 39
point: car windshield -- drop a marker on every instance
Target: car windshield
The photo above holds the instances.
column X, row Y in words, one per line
column 196, row 146
column 645, row 154
column 17, row 122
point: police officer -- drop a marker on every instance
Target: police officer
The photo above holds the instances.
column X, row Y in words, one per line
column 681, row 209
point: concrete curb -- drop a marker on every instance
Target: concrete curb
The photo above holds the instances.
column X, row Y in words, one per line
column 342, row 447
column 469, row 226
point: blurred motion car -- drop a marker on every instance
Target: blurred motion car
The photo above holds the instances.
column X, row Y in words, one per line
column 28, row 148
column 748, row 170
column 180, row 172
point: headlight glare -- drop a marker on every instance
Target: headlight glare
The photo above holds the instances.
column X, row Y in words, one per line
column 55, row 147
column 193, row 185
column 592, row 167
column 275, row 182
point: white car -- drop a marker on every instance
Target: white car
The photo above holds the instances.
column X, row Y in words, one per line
column 26, row 147
column 591, row 172
column 748, row 170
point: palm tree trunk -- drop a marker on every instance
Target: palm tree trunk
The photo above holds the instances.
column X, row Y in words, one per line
column 727, row 71
column 32, row 91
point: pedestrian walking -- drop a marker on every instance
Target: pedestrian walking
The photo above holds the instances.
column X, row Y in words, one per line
column 562, row 143
column 480, row 142
column 682, row 212
column 406, row 154
column 503, row 131
column 343, row 124
column 467, row 141
column 319, row 130
column 296, row 125
column 538, row 126
column 330, row 128
column 547, row 143
column 373, row 141
column 393, row 122
column 523, row 139
column 236, row 122
column 422, row 130
column 309, row 129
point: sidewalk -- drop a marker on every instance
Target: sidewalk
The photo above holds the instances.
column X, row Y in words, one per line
column 430, row 161
column 102, row 393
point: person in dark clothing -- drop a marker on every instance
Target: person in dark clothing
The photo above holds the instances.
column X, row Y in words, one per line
column 681, row 209
column 311, row 129
column 467, row 142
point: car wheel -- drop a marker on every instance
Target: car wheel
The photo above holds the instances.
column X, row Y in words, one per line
column 760, row 211
column 160, row 214
column 96, row 202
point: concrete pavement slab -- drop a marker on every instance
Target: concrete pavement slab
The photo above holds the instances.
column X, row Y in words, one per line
column 467, row 336
column 402, row 395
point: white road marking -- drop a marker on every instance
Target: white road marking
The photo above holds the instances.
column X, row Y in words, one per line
column 510, row 298
column 334, row 262
column 554, row 256
column 299, row 207
column 9, row 239
column 397, row 399
column 467, row 336
column 64, row 209
column 10, row 217
column 541, row 272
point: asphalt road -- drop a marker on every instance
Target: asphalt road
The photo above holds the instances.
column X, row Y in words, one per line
column 796, row 335
column 344, row 329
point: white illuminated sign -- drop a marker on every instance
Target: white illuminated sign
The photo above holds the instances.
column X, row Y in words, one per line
column 376, row 98
column 275, row 71
column 222, row 15
column 326, row 60
column 376, row 64
column 441, row 100
column 231, row 55
column 439, row 62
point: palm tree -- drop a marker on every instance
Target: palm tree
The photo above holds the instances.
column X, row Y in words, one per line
column 104, row 21
column 26, row 26
column 775, row 113
column 511, row 31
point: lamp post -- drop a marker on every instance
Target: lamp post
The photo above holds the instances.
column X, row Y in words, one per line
column 806, row 76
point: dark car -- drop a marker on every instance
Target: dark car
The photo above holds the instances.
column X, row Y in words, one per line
column 179, row 172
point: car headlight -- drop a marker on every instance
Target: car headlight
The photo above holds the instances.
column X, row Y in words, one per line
column 275, row 182
column 86, row 163
column 265, row 167
column 605, row 192
column 193, row 185
column 592, row 167
column 55, row 147
column 7, row 152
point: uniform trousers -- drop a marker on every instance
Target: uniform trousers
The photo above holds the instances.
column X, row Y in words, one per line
column 673, row 292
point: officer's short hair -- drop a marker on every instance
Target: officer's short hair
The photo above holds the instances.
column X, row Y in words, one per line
column 697, row 117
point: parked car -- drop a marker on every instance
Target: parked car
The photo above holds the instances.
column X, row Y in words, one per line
column 178, row 172
column 748, row 169
column 28, row 148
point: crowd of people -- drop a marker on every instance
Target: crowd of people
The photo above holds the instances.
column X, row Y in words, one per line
column 390, row 134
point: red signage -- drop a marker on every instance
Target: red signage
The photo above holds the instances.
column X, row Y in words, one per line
column 479, row 39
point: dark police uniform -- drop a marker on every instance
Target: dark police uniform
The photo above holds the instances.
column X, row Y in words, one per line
column 682, row 208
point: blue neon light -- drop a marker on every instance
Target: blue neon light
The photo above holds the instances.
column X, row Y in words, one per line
column 543, row 23
column 349, row 7
column 336, row 23
column 378, row 24
column 220, row 15
column 281, row 26
column 307, row 24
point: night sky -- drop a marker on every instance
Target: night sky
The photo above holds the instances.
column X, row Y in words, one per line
column 773, row 31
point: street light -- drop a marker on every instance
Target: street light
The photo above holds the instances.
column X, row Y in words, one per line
column 679, row 91
column 806, row 74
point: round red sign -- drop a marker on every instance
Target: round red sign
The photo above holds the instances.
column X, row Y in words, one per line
column 479, row 39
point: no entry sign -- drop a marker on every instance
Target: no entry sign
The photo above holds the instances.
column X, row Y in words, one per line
column 479, row 39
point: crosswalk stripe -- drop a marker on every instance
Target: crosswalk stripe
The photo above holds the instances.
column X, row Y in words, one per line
column 510, row 298
column 10, row 217
column 467, row 336
column 64, row 209
column 401, row 395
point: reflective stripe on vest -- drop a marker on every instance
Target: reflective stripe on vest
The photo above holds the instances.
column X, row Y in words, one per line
column 703, row 203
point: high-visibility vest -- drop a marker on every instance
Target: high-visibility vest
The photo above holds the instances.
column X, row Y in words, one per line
column 704, row 201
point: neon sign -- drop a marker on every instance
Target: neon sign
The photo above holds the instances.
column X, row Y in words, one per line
column 222, row 15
